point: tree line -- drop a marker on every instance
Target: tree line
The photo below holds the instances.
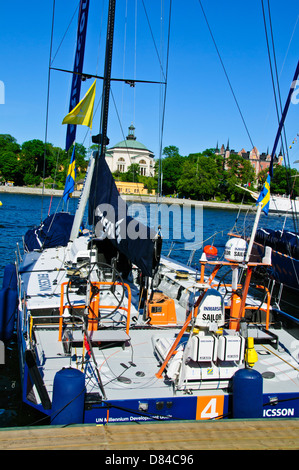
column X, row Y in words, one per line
column 29, row 163
column 198, row 176
column 204, row 176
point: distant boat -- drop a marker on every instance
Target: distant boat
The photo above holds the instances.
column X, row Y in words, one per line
column 278, row 204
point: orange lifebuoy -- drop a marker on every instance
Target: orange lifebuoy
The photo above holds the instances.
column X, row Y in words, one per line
column 210, row 250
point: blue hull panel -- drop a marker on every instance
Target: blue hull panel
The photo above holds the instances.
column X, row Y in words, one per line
column 285, row 270
column 286, row 405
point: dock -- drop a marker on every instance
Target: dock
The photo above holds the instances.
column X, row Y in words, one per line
column 259, row 434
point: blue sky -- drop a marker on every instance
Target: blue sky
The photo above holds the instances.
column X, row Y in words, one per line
column 200, row 109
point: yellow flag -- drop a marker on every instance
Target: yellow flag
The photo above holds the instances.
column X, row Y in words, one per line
column 83, row 112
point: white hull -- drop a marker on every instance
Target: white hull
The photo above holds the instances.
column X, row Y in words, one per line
column 129, row 350
column 283, row 205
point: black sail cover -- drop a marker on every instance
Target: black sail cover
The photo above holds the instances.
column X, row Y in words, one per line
column 108, row 213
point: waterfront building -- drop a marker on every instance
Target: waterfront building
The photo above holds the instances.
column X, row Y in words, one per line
column 136, row 189
column 129, row 151
column 258, row 160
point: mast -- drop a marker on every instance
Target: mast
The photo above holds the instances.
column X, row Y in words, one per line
column 107, row 78
column 101, row 139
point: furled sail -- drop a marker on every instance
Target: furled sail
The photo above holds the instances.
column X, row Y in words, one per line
column 78, row 65
column 53, row 231
column 108, row 213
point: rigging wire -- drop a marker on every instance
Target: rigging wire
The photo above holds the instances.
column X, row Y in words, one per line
column 153, row 38
column 226, row 74
column 136, row 81
column 47, row 108
column 270, row 62
column 279, row 113
column 124, row 58
column 65, row 33
column 120, row 125
column 291, row 39
column 278, row 89
column 51, row 60
column 100, row 37
column 88, row 131
column 135, row 63
column 164, row 103
column 162, row 77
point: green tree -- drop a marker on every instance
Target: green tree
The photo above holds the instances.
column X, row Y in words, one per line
column 132, row 175
column 284, row 181
column 171, row 151
column 7, row 142
column 187, row 184
column 239, row 172
column 150, row 183
column 172, row 166
column 33, row 152
column 209, row 174
column 30, row 163
column 200, row 177
column 81, row 162
column 10, row 167
column 261, row 178
column 59, row 161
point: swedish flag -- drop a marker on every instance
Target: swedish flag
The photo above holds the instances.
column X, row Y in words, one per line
column 70, row 178
column 264, row 196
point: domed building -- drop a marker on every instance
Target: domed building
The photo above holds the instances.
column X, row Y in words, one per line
column 130, row 151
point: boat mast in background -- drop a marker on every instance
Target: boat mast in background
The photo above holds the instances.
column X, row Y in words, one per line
column 101, row 138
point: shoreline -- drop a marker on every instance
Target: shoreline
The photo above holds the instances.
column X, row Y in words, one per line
column 133, row 198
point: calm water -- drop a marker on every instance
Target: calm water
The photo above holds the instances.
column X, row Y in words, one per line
column 18, row 213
